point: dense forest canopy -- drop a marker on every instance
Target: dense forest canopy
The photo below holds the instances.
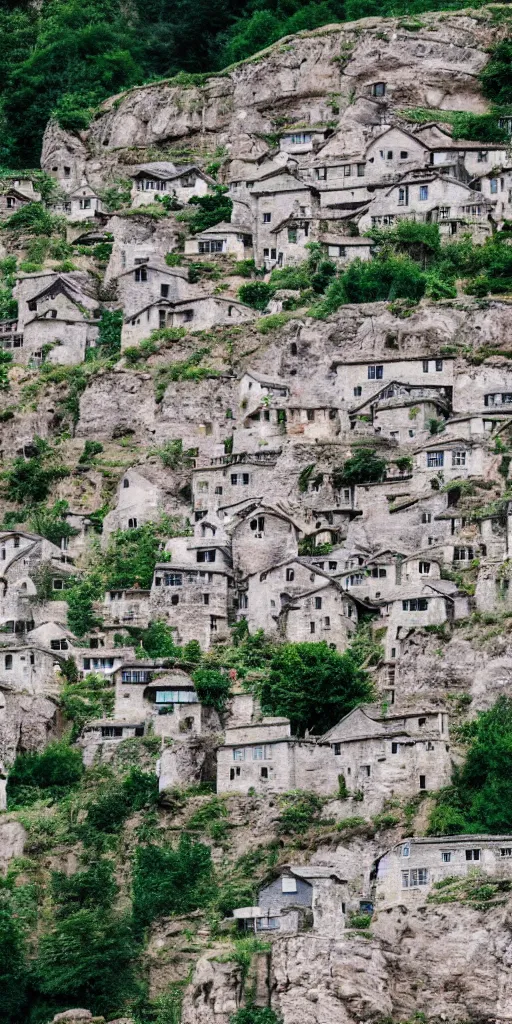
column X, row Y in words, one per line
column 63, row 57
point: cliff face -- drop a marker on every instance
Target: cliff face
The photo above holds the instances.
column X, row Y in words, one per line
column 300, row 79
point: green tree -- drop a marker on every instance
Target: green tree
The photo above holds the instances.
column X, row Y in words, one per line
column 364, row 467
column 84, row 700
column 313, row 686
column 213, row 207
column 480, row 799
column 13, row 968
column 29, row 480
column 212, row 687
column 53, row 773
column 257, row 294
column 170, row 881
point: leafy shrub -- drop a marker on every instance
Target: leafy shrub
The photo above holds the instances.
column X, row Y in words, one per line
column 364, row 467
column 91, row 449
column 212, row 687
column 109, row 336
column 87, row 699
column 299, row 811
column 158, row 640
column 115, row 801
column 359, row 921
column 254, row 1015
column 214, row 207
column 30, row 480
column 256, row 294
column 85, row 890
column 173, row 456
column 384, row 278
column 170, row 881
column 51, row 774
column 13, row 968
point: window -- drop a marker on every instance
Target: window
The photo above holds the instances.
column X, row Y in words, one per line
column 290, row 575
column 85, row 204
column 206, row 599
column 213, row 623
column 414, row 878
column 403, row 154
column 257, row 753
column 444, row 212
column 321, row 173
column 327, row 622
column 310, row 415
column 424, row 568
column 415, row 604
column 333, row 566
column 175, row 599
column 288, row 884
column 423, row 192
column 379, row 573
column 506, row 851
column 206, row 556
column 173, row 579
column 188, row 315
column 375, row 372
column 311, row 627
column 233, row 772
column 472, row 854
column 360, row 170
column 164, row 291
column 318, row 602
column 422, row 722
column 8, row 662
column 267, row 217
column 132, row 524
column 211, row 245
column 482, row 156
column 292, row 234
column 425, row 366
column 366, row 770
column 423, row 782
column 439, row 365
column 264, row 773
column 358, row 392
column 58, row 584
column 426, row 517
column 403, row 195
column 395, row 747
column 239, row 754
column 435, row 460
column 257, row 525
column 458, row 458
column 463, row 554
column 406, row 850
column 58, row 645
column 336, row 748
column 346, row 170
column 379, row 89
column 446, row 856
column 141, row 274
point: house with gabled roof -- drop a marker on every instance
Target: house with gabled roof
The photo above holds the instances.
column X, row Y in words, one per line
column 164, row 178
column 224, row 239
column 276, row 197
column 84, row 202
column 196, row 313
column 427, row 196
column 146, row 282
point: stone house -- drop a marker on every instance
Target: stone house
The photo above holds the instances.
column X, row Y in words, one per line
column 301, row 140
column 222, row 240
column 325, row 613
column 314, row 421
column 22, row 555
column 288, row 597
column 62, row 328
column 10, row 337
column 374, row 578
column 301, row 897
column 196, row 313
column 484, row 389
column 342, row 249
column 144, row 284
column 420, row 605
column 158, row 179
column 261, row 537
column 265, row 757
column 84, row 203
column 122, row 608
column 30, row 668
column 401, row 412
column 473, row 159
column 54, row 636
column 451, row 459
column 16, row 196
column 395, row 151
column 139, row 501
column 362, row 380
column 431, row 197
column 384, row 755
column 49, row 290
column 104, row 662
column 277, row 196
column 196, row 600
column 408, row 872
column 233, row 479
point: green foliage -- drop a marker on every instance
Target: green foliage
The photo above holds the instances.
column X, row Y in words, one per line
column 364, row 467
column 80, row 597
column 212, row 687
column 109, row 337
column 87, row 699
column 212, row 208
column 299, row 811
column 30, row 480
column 170, row 881
column 313, row 685
column 173, row 456
column 131, row 556
column 33, row 219
column 245, row 268
column 496, row 76
column 50, row 775
column 5, row 364
column 188, row 369
column 88, row 958
column 157, row 641
column 113, row 803
column 385, row 278
column 254, row 1015
column 256, row 294
column 360, row 921
column 51, row 522
column 91, row 449
column 480, row 799
column 85, row 890
column 13, row 967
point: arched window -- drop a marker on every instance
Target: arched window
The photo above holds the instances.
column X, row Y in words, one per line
column 126, row 482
